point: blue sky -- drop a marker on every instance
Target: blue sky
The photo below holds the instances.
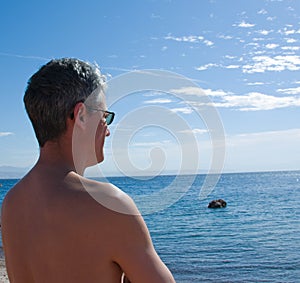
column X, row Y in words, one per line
column 244, row 55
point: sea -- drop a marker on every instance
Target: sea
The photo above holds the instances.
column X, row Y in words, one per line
column 255, row 238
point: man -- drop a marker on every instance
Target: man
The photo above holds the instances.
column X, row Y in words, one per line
column 53, row 230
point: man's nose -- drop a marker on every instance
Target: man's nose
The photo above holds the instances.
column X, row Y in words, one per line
column 107, row 134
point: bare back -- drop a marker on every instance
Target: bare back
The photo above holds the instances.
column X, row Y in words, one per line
column 54, row 231
column 50, row 234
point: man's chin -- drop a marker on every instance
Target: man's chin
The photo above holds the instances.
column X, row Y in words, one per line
column 95, row 162
column 100, row 158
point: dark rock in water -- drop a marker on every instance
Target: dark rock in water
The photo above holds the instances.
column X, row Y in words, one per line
column 218, row 203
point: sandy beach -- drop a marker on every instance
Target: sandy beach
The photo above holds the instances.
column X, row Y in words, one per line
column 3, row 274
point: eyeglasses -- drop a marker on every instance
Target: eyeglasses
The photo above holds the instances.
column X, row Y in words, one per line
column 109, row 116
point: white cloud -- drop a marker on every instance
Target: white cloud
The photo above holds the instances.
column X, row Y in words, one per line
column 199, row 91
column 264, row 32
column 206, row 66
column 256, row 101
column 291, row 48
column 150, row 144
column 253, row 101
column 243, row 24
column 230, row 57
column 260, row 62
column 262, row 12
column 278, row 63
column 288, row 31
column 256, row 39
column 232, row 67
column 256, row 83
column 272, row 45
column 183, row 110
column 158, row 101
column 291, row 40
column 190, row 39
column 4, row 134
column 216, row 93
column 164, row 48
column 292, row 91
column 208, row 42
column 195, row 131
column 188, row 91
column 226, row 37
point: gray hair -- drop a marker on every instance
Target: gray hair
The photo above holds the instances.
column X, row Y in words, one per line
column 53, row 91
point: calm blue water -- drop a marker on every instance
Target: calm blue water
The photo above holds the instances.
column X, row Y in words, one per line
column 256, row 238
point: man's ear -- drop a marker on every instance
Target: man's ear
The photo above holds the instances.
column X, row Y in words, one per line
column 80, row 114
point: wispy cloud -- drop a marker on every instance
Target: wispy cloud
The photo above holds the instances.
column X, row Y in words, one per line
column 232, row 67
column 199, row 91
column 255, row 83
column 288, row 31
column 244, row 24
column 264, row 32
column 290, row 48
column 262, row 12
column 207, row 66
column 256, row 101
column 226, row 37
column 4, row 134
column 216, row 93
column 253, row 101
column 291, row 40
column 293, row 91
column 213, row 65
column 195, row 131
column 24, row 56
column 190, row 39
column 278, row 63
column 158, row 101
column 183, row 110
column 208, row 42
column 261, row 63
column 151, row 144
column 271, row 45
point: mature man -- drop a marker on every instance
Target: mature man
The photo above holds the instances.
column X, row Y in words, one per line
column 53, row 230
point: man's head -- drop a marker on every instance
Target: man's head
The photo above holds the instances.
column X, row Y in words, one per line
column 54, row 90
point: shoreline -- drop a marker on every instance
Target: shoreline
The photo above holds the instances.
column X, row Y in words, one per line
column 3, row 273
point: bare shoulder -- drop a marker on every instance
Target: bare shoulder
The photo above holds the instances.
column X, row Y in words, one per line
column 109, row 196
column 126, row 223
column 13, row 196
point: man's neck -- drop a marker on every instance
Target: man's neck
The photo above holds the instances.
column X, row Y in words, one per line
column 57, row 156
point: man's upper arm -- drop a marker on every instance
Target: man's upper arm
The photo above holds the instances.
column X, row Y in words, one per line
column 135, row 253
